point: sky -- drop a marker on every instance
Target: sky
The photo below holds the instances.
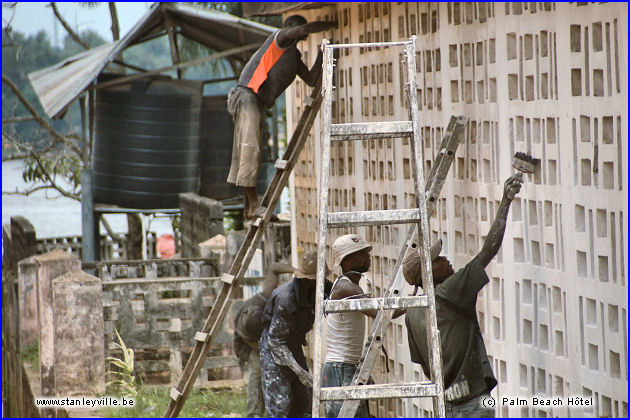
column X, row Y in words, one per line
column 31, row 17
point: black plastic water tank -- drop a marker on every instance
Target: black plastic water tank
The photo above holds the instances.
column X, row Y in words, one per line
column 217, row 134
column 146, row 144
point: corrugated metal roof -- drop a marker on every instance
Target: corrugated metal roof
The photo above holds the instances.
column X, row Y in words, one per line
column 278, row 8
column 59, row 85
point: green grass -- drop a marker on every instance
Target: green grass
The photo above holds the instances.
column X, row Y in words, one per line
column 30, row 355
column 152, row 402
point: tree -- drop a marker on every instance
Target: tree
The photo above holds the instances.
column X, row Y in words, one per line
column 52, row 150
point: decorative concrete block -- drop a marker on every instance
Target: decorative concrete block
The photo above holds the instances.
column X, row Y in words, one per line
column 49, row 266
column 79, row 362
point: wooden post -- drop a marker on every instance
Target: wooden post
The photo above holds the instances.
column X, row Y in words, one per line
column 89, row 244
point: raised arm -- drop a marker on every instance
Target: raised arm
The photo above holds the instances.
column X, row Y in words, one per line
column 271, row 280
column 288, row 35
column 311, row 76
column 495, row 236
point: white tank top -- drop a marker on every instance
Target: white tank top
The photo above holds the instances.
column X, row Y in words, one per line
column 346, row 332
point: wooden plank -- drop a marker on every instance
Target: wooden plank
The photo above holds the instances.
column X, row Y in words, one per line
column 172, row 41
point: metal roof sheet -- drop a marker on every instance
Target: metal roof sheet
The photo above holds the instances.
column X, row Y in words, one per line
column 59, row 85
column 278, row 7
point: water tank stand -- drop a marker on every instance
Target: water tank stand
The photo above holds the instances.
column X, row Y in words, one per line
column 101, row 209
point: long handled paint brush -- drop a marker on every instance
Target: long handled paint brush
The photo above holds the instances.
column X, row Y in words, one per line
column 524, row 163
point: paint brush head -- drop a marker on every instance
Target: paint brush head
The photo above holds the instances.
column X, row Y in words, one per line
column 524, row 162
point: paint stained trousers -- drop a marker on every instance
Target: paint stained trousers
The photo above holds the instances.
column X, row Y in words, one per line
column 247, row 113
column 285, row 395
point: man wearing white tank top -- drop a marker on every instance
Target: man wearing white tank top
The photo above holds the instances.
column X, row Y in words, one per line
column 346, row 331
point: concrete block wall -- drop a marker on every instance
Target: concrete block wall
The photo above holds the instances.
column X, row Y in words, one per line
column 202, row 218
column 545, row 78
column 18, row 242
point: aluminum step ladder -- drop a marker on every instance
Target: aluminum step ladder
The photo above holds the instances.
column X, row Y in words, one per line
column 419, row 216
column 220, row 308
column 435, row 181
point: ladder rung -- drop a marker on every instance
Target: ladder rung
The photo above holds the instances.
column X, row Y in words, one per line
column 201, row 336
column 175, row 394
column 374, row 130
column 376, row 217
column 227, row 278
column 370, row 44
column 281, row 164
column 348, row 305
column 364, row 392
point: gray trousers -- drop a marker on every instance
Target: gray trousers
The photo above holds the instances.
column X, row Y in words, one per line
column 247, row 113
column 472, row 408
column 340, row 374
column 255, row 401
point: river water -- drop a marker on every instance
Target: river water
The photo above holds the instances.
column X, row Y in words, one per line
column 53, row 215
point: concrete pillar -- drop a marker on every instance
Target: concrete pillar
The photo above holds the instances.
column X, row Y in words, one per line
column 27, row 302
column 79, row 354
column 50, row 266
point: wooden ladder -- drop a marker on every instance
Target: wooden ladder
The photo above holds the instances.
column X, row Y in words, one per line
column 214, row 321
column 419, row 216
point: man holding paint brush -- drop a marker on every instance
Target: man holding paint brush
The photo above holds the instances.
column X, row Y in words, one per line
column 468, row 376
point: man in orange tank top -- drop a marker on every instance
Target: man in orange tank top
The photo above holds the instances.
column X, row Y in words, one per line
column 271, row 70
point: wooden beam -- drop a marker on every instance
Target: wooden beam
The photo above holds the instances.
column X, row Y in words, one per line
column 211, row 57
column 222, row 79
column 131, row 66
column 172, row 41
column 148, row 37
